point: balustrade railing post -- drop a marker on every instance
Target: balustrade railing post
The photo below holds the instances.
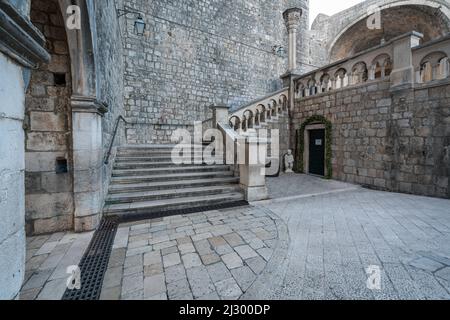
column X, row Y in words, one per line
column 402, row 74
column 220, row 114
column 252, row 172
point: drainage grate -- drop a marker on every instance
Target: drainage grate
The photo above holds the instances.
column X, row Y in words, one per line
column 94, row 263
column 130, row 217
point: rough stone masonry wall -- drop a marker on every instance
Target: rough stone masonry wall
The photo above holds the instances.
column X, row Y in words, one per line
column 386, row 140
column 109, row 76
column 49, row 195
column 199, row 53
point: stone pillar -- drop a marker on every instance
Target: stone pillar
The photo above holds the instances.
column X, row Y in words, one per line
column 87, row 161
column 12, row 179
column 402, row 75
column 21, row 47
column 220, row 114
column 292, row 19
column 252, row 173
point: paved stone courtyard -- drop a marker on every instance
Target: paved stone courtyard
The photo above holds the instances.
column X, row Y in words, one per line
column 303, row 185
column 47, row 260
column 335, row 237
column 315, row 247
column 210, row 255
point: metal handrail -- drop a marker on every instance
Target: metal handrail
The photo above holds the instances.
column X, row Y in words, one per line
column 116, row 128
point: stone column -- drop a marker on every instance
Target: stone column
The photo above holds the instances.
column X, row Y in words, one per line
column 220, row 114
column 87, row 162
column 21, row 48
column 292, row 19
column 402, row 74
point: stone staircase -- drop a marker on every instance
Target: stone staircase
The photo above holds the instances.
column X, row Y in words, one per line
column 145, row 182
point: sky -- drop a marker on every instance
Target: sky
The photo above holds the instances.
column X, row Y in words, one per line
column 329, row 7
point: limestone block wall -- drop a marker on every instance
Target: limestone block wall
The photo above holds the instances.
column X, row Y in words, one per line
column 388, row 140
column 12, row 173
column 109, row 76
column 196, row 54
column 49, row 179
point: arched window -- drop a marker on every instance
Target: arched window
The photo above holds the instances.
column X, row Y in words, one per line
column 381, row 67
column 300, row 90
column 426, row 72
column 312, row 87
column 433, row 67
column 340, row 77
column 324, row 83
column 443, row 70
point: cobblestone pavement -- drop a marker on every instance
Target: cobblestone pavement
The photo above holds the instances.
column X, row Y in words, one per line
column 209, row 255
column 47, row 260
column 335, row 237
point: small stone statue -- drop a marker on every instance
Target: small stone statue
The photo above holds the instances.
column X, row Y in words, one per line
column 289, row 161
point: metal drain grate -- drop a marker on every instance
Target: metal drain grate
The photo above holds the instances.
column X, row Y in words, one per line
column 176, row 212
column 94, row 263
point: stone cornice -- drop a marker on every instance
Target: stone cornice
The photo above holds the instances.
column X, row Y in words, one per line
column 19, row 39
column 85, row 104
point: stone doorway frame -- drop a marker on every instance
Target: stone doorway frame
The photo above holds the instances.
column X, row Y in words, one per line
column 302, row 144
column 306, row 157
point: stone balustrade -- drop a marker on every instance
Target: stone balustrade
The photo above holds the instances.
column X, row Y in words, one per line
column 402, row 60
column 260, row 112
column 431, row 60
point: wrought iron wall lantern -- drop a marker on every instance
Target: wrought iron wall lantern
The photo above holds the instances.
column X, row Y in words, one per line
column 139, row 23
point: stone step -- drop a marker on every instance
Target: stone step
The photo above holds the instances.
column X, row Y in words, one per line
column 147, row 147
column 149, row 207
column 137, row 165
column 163, row 156
column 156, row 150
column 126, row 159
column 171, row 177
column 170, row 194
column 165, row 185
column 169, row 170
column 163, row 147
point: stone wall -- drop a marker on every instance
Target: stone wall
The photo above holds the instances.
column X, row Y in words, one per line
column 196, row 54
column 49, row 184
column 389, row 140
column 51, row 194
column 12, row 173
column 109, row 75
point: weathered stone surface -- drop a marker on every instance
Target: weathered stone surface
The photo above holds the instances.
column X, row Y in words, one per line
column 188, row 85
column 232, row 260
column 191, row 270
column 386, row 141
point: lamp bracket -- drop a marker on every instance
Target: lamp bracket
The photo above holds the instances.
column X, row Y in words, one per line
column 123, row 12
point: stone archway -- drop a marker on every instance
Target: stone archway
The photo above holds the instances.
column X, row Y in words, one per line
column 48, row 129
column 82, row 118
column 431, row 18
